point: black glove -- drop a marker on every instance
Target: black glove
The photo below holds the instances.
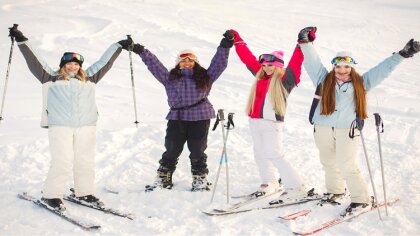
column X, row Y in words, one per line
column 138, row 48
column 411, row 48
column 227, row 41
column 15, row 33
column 307, row 35
column 126, row 43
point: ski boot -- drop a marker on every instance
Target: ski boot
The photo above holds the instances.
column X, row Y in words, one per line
column 334, row 198
column 55, row 204
column 163, row 180
column 356, row 208
column 200, row 183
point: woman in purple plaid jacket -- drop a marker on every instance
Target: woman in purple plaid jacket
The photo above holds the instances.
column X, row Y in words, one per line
column 187, row 86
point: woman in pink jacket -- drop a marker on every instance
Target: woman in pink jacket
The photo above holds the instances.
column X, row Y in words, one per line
column 266, row 108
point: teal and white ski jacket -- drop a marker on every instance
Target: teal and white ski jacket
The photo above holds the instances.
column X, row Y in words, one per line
column 344, row 113
column 71, row 102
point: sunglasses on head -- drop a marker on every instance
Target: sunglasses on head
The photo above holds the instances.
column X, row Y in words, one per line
column 71, row 55
column 346, row 59
column 268, row 58
column 187, row 55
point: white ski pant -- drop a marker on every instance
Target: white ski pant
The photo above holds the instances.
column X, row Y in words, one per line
column 338, row 154
column 71, row 147
column 267, row 136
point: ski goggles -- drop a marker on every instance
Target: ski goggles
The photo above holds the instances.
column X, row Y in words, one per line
column 269, row 58
column 69, row 56
column 184, row 56
column 345, row 59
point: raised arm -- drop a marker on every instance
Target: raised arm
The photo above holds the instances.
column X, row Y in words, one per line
column 98, row 70
column 220, row 60
column 378, row 73
column 312, row 62
column 156, row 67
column 38, row 67
column 246, row 56
column 293, row 71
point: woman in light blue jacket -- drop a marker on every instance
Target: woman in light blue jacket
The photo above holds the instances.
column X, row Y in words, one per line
column 70, row 114
column 343, row 98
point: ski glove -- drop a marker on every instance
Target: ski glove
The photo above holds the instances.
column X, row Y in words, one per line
column 126, row 43
column 15, row 33
column 411, row 48
column 237, row 38
column 307, row 35
column 227, row 41
column 138, row 48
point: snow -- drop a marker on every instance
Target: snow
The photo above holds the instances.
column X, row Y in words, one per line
column 127, row 157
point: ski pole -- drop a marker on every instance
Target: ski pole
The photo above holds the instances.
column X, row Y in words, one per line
column 229, row 123
column 378, row 122
column 359, row 125
column 7, row 72
column 130, row 49
column 221, row 118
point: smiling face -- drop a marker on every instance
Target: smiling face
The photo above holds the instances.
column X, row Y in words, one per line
column 72, row 66
column 186, row 63
column 342, row 72
column 268, row 69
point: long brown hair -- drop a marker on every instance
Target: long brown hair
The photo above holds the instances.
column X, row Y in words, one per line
column 81, row 74
column 328, row 94
column 200, row 76
column 278, row 94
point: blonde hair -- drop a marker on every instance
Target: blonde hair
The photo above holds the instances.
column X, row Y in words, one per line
column 278, row 94
column 81, row 74
column 328, row 94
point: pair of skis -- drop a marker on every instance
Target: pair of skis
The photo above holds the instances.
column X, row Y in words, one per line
column 286, row 199
column 334, row 221
column 76, row 220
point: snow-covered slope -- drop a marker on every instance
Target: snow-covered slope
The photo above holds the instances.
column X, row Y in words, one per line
column 127, row 157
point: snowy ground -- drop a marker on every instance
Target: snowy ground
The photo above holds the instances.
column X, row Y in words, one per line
column 127, row 156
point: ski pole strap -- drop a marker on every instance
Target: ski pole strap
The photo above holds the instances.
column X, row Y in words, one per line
column 378, row 122
column 356, row 124
column 315, row 101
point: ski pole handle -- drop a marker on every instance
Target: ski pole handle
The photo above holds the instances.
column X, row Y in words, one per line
column 221, row 114
column 378, row 119
column 131, row 46
column 13, row 27
column 230, row 120
column 360, row 123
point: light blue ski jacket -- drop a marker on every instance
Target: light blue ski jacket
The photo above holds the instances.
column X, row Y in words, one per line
column 344, row 113
column 71, row 102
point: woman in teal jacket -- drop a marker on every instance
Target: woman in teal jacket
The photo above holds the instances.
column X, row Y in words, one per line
column 70, row 114
column 343, row 98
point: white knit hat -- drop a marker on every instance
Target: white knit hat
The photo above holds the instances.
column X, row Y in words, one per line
column 186, row 53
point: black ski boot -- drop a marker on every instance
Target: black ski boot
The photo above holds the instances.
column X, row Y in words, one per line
column 54, row 204
column 90, row 200
column 163, row 180
column 200, row 183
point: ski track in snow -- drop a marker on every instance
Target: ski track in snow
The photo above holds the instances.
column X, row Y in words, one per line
column 127, row 157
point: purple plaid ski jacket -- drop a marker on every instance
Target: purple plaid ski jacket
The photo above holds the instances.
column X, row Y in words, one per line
column 183, row 91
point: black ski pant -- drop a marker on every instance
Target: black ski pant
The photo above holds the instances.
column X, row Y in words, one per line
column 195, row 134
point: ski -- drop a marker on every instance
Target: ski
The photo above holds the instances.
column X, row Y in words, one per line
column 288, row 201
column 71, row 198
column 305, row 212
column 253, row 197
column 296, row 215
column 63, row 214
column 341, row 219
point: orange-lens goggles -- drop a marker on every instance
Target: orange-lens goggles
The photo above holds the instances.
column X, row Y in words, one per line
column 347, row 59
